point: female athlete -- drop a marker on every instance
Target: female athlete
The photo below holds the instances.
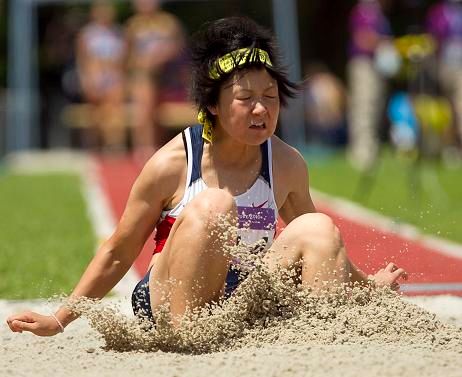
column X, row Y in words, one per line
column 232, row 165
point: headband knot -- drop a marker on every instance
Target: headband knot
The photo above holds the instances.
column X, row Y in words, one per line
column 207, row 127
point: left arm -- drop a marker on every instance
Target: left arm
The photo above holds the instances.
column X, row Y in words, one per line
column 298, row 202
column 296, row 198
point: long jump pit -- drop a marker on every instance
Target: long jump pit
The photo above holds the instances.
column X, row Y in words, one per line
column 269, row 327
column 377, row 334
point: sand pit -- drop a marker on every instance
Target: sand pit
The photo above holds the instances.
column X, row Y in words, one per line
column 380, row 334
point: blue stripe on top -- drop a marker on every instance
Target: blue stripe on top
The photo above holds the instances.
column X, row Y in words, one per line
column 265, row 173
column 197, row 146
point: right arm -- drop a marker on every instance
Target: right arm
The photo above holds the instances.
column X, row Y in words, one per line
column 152, row 191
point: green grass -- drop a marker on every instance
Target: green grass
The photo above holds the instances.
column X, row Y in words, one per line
column 46, row 239
column 428, row 196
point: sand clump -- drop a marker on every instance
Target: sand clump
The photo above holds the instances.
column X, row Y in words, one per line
column 272, row 325
column 273, row 309
column 269, row 327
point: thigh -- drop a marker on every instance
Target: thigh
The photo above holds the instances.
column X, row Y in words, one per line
column 309, row 235
column 193, row 264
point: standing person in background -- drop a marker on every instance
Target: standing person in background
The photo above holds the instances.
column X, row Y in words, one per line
column 100, row 63
column 325, row 100
column 154, row 38
column 444, row 22
column 369, row 28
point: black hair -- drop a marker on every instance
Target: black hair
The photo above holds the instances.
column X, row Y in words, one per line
column 218, row 38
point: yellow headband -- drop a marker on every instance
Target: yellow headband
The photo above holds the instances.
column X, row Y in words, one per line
column 238, row 58
column 207, row 127
column 226, row 64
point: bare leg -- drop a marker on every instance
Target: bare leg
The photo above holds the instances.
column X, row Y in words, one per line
column 314, row 241
column 194, row 255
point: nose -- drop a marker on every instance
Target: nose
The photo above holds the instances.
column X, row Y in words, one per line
column 259, row 108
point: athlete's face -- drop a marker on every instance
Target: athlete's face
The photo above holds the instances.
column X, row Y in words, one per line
column 248, row 106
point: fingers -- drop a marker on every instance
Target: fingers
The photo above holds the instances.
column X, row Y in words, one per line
column 13, row 325
column 389, row 275
column 25, row 317
column 400, row 273
column 391, row 267
column 33, row 322
column 396, row 272
column 24, row 326
column 21, row 322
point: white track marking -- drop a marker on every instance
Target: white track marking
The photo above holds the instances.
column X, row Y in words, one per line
column 367, row 217
column 431, row 287
column 103, row 220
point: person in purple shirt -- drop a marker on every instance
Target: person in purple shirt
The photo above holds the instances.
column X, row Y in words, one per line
column 367, row 25
column 369, row 29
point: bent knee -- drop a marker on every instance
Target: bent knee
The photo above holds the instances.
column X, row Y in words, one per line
column 212, row 202
column 316, row 229
column 316, row 222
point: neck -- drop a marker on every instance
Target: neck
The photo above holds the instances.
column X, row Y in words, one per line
column 228, row 152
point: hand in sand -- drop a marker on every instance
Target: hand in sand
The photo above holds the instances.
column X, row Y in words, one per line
column 388, row 276
column 42, row 325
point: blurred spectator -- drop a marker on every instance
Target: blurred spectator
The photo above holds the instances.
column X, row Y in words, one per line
column 155, row 38
column 100, row 60
column 444, row 22
column 325, row 98
column 369, row 31
column 420, row 117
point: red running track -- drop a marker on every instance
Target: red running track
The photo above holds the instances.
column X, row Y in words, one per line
column 430, row 271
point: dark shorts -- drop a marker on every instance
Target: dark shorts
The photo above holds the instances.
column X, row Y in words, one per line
column 141, row 297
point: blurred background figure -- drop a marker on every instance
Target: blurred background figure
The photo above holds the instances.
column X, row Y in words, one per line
column 370, row 32
column 420, row 116
column 325, row 106
column 100, row 65
column 154, row 38
column 444, row 22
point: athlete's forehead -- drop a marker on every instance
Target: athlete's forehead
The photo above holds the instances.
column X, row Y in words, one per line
column 250, row 80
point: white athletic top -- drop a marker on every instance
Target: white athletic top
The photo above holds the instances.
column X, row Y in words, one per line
column 257, row 210
column 105, row 43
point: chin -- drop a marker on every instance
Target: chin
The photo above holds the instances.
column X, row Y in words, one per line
column 258, row 139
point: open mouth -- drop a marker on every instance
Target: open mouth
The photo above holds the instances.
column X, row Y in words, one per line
column 258, row 126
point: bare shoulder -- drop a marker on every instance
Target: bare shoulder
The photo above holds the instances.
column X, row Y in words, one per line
column 290, row 174
column 287, row 159
column 165, row 171
column 169, row 159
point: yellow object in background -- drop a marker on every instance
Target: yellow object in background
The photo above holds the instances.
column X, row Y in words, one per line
column 433, row 113
column 415, row 46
